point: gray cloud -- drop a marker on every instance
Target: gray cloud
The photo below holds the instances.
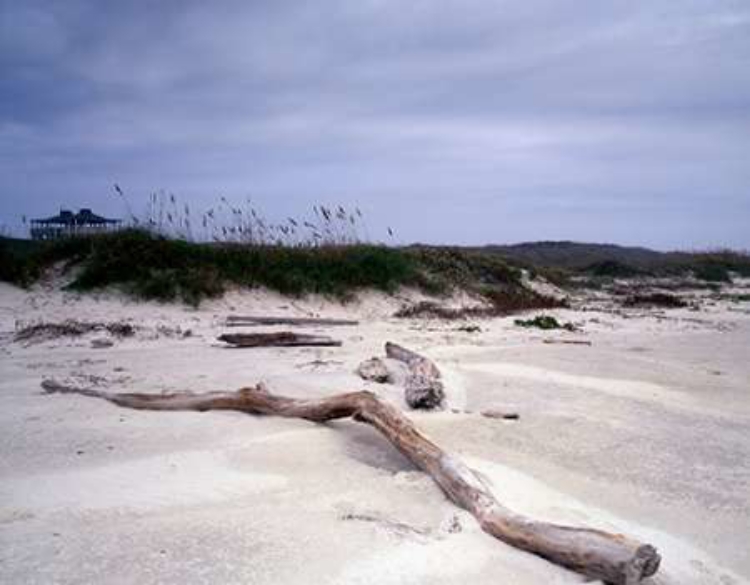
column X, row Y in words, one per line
column 463, row 122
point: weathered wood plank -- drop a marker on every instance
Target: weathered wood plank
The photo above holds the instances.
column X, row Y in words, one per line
column 245, row 321
column 280, row 339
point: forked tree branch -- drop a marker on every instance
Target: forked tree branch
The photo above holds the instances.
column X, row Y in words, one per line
column 613, row 558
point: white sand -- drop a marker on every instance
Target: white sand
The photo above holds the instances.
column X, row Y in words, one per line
column 646, row 431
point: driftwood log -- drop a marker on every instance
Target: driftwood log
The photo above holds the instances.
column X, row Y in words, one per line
column 246, row 320
column 424, row 389
column 502, row 414
column 613, row 558
column 281, row 339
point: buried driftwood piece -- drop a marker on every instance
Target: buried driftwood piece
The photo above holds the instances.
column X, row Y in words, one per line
column 500, row 414
column 417, row 363
column 242, row 321
column 424, row 389
column 281, row 339
column 374, row 370
column 613, row 558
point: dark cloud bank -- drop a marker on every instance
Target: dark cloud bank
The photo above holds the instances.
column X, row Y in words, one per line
column 460, row 122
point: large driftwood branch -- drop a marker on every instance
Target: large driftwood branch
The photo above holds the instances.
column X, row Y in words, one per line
column 281, row 339
column 613, row 558
column 246, row 320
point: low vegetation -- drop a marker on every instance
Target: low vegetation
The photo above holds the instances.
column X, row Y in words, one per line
column 664, row 300
column 172, row 253
column 608, row 260
column 614, row 269
column 153, row 266
column 545, row 322
column 71, row 328
column 23, row 261
column 156, row 267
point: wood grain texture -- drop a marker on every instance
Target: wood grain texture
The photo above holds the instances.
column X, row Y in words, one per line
column 613, row 558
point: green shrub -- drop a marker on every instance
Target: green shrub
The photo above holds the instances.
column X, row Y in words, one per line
column 159, row 268
column 155, row 267
column 545, row 322
column 711, row 272
column 444, row 268
column 613, row 269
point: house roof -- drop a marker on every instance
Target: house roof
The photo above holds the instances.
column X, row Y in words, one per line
column 83, row 217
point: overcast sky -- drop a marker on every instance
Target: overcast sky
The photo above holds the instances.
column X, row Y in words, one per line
column 452, row 122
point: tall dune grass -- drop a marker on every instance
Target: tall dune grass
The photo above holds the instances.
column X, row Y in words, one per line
column 243, row 223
